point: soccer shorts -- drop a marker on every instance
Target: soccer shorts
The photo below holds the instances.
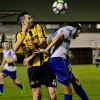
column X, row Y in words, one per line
column 62, row 69
column 41, row 75
column 12, row 74
column 97, row 60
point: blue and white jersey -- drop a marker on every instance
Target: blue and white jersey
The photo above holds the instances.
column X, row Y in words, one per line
column 62, row 49
column 97, row 54
column 8, row 56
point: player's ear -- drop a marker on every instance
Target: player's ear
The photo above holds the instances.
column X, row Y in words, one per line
column 22, row 22
column 76, row 28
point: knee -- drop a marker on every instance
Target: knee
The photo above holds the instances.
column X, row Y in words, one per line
column 75, row 82
column 1, row 78
column 53, row 95
column 36, row 93
column 14, row 82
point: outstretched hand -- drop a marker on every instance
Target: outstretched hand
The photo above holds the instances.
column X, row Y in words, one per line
column 25, row 61
column 26, row 27
column 39, row 51
column 70, row 55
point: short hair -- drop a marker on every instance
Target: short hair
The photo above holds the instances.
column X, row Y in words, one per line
column 6, row 41
column 20, row 17
column 74, row 24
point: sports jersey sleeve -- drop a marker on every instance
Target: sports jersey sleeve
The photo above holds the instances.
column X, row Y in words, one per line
column 13, row 54
column 3, row 52
column 68, row 31
column 65, row 32
column 41, row 31
column 17, row 37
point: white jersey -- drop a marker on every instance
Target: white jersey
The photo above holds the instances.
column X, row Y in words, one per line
column 62, row 49
column 8, row 56
column 97, row 54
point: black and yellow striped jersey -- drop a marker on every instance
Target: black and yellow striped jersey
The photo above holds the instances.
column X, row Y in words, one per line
column 31, row 42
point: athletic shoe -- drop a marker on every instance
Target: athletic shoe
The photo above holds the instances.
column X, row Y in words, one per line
column 23, row 90
column 1, row 94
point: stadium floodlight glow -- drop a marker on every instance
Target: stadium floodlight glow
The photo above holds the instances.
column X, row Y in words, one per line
column 98, row 26
column 52, row 26
column 89, row 26
column 0, row 23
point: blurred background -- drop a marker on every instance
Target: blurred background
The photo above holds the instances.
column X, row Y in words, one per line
column 85, row 12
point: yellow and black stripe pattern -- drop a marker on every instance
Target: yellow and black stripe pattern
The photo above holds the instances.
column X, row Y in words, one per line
column 31, row 42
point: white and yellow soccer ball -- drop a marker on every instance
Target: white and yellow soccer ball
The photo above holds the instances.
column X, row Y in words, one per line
column 59, row 7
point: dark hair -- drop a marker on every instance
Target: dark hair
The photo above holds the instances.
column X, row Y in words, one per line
column 5, row 41
column 19, row 18
column 74, row 24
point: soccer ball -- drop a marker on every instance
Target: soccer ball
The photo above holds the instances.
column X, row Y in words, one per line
column 59, row 7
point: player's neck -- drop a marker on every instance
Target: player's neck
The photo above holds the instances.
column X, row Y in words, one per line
column 7, row 49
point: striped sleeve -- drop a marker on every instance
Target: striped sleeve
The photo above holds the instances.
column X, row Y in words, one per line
column 41, row 31
column 17, row 36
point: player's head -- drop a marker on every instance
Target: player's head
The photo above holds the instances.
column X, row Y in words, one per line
column 77, row 28
column 25, row 19
column 6, row 45
column 97, row 48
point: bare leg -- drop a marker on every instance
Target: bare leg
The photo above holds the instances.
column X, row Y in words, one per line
column 15, row 82
column 67, row 89
column 36, row 93
column 2, row 76
column 52, row 93
column 75, row 81
column 78, row 88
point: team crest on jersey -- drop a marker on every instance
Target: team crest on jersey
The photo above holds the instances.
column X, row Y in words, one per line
column 32, row 82
column 32, row 40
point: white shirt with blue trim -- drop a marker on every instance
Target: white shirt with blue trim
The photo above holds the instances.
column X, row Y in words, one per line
column 8, row 56
column 97, row 54
column 62, row 49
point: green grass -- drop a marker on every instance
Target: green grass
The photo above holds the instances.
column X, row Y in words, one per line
column 88, row 75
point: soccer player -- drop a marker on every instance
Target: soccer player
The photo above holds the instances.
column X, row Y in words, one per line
column 97, row 57
column 9, row 58
column 75, row 81
column 31, row 37
column 59, row 48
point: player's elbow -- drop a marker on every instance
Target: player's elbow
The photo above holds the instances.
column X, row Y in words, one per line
column 16, row 60
column 14, row 48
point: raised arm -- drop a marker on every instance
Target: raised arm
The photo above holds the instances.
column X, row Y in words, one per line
column 43, row 44
column 26, row 60
column 18, row 43
column 12, row 61
column 56, row 41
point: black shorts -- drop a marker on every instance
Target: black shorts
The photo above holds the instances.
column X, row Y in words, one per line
column 41, row 75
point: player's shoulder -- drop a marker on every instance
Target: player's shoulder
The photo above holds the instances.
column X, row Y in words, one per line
column 35, row 25
column 19, row 33
column 6, row 51
column 69, row 27
column 11, row 49
column 3, row 52
column 38, row 25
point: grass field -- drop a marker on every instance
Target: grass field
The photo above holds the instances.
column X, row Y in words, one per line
column 88, row 75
